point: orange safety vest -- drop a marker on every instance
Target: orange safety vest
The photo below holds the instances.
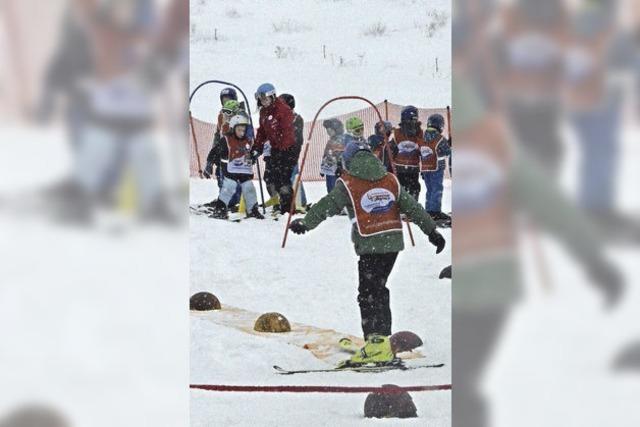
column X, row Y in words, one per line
column 429, row 154
column 375, row 204
column 408, row 148
column 238, row 160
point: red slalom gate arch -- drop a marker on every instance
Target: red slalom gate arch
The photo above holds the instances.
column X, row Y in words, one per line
column 317, row 388
column 306, row 149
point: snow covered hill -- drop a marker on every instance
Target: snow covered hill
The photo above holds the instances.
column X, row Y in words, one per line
column 398, row 50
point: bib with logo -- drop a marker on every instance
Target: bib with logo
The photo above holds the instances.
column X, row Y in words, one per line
column 429, row 154
column 375, row 204
column 408, row 149
column 239, row 156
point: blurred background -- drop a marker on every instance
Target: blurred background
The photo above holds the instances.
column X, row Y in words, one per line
column 93, row 226
column 93, row 238
column 546, row 212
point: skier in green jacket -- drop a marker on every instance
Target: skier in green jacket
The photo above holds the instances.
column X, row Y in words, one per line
column 374, row 200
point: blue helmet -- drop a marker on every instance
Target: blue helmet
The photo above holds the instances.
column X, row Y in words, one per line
column 436, row 121
column 266, row 89
column 229, row 92
column 409, row 114
column 352, row 148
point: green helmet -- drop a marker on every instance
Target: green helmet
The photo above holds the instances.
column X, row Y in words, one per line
column 354, row 123
column 231, row 107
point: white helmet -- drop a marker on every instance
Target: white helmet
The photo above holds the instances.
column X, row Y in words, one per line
column 237, row 120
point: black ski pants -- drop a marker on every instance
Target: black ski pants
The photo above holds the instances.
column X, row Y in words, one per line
column 280, row 168
column 410, row 181
column 373, row 295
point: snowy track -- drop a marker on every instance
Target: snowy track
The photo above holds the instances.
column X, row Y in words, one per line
column 313, row 281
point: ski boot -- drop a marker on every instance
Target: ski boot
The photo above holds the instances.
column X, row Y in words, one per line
column 211, row 204
column 273, row 201
column 440, row 218
column 348, row 346
column 376, row 351
column 218, row 210
column 255, row 212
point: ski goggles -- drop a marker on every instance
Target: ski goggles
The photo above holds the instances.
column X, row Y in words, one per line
column 358, row 130
column 227, row 112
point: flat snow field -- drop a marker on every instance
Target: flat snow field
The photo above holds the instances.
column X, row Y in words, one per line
column 312, row 281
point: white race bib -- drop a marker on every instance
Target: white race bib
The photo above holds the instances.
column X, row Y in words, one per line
column 377, row 201
column 407, row 147
column 240, row 165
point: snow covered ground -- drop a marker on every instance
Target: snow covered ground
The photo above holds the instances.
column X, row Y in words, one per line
column 312, row 281
column 282, row 42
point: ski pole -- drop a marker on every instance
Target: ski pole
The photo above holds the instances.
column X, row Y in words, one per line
column 195, row 144
column 295, row 193
column 264, row 209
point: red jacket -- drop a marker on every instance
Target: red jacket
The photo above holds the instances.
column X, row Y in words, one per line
column 276, row 126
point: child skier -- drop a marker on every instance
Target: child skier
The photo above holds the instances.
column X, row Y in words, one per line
column 433, row 157
column 298, row 126
column 276, row 131
column 374, row 200
column 376, row 143
column 237, row 168
column 408, row 141
column 330, row 167
column 230, row 107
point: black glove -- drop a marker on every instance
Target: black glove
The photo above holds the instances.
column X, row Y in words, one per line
column 437, row 240
column 607, row 279
column 445, row 273
column 254, row 156
column 298, row 226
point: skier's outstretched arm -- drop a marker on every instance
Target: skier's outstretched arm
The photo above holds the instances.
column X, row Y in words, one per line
column 330, row 205
column 416, row 213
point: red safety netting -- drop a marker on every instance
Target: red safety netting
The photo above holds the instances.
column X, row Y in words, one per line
column 204, row 132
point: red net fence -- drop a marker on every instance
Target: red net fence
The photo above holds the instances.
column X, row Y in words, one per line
column 204, row 132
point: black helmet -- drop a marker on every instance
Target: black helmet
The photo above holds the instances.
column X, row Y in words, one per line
column 334, row 124
column 409, row 114
column 289, row 100
column 229, row 92
column 436, row 121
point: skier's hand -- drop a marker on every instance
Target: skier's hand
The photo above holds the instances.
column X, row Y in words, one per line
column 607, row 279
column 436, row 239
column 445, row 273
column 298, row 226
column 254, row 155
